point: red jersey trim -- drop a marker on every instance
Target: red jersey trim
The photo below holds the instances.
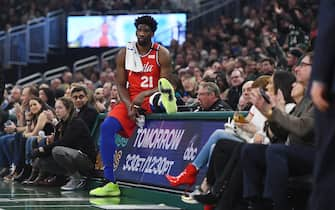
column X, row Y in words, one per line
column 154, row 46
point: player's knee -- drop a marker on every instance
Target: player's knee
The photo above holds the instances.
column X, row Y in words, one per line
column 110, row 124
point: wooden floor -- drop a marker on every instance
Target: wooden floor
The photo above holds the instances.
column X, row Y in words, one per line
column 16, row 196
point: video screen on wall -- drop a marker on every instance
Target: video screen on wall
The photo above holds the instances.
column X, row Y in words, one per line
column 118, row 30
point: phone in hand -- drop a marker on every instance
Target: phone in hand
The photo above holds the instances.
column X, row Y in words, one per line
column 264, row 95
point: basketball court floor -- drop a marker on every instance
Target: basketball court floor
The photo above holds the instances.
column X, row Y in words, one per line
column 16, row 196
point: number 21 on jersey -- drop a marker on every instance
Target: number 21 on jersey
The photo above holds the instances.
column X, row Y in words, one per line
column 147, row 82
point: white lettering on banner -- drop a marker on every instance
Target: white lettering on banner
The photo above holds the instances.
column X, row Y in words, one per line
column 150, row 165
column 190, row 153
column 157, row 138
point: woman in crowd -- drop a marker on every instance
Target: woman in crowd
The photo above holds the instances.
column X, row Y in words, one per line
column 47, row 95
column 39, row 119
column 99, row 100
column 71, row 150
column 190, row 87
column 37, row 127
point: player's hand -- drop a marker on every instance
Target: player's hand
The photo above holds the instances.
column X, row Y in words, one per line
column 133, row 111
column 318, row 93
column 138, row 100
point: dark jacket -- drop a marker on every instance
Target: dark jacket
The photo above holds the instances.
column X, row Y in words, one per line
column 297, row 126
column 219, row 105
column 88, row 114
column 234, row 94
column 73, row 134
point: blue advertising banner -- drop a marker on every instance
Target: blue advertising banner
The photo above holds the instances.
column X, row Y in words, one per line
column 161, row 147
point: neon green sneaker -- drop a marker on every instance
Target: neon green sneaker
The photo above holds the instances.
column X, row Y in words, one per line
column 108, row 190
column 167, row 95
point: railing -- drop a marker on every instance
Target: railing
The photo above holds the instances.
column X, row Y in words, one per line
column 109, row 56
column 92, row 61
column 30, row 80
column 54, row 73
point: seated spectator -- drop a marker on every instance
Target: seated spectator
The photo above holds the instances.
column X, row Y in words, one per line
column 39, row 118
column 37, row 127
column 244, row 103
column 85, row 111
column 222, row 83
column 198, row 74
column 190, row 87
column 71, row 150
column 303, row 70
column 66, row 80
column 293, row 57
column 267, row 66
column 107, row 91
column 251, row 70
column 7, row 110
column 55, row 86
column 99, row 101
column 11, row 142
column 294, row 158
column 209, row 98
column 236, row 79
column 47, row 95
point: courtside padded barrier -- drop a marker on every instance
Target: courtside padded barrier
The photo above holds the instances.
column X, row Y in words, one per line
column 164, row 145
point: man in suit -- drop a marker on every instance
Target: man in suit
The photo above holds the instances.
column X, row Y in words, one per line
column 323, row 96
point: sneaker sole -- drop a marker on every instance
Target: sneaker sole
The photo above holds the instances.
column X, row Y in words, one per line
column 114, row 194
column 80, row 187
column 188, row 199
column 167, row 96
column 105, row 201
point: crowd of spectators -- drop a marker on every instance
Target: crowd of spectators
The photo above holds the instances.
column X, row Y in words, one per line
column 15, row 12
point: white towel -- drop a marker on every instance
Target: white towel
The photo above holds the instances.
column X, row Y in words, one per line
column 133, row 58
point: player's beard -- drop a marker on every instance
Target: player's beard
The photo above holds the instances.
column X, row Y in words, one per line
column 144, row 42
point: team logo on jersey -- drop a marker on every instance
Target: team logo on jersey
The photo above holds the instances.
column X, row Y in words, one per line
column 151, row 56
column 147, row 67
